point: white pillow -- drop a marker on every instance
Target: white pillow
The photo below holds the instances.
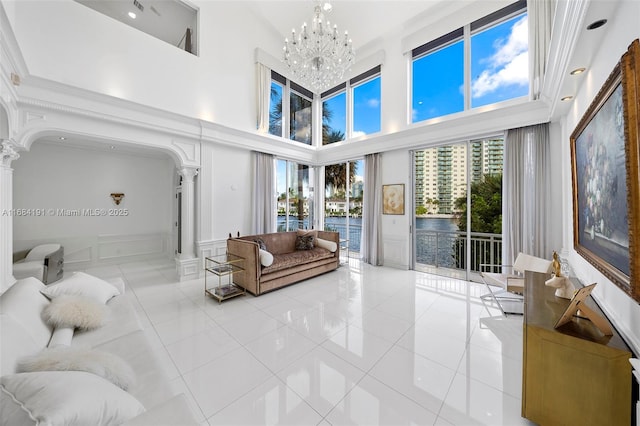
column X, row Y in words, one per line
column 104, row 364
column 326, row 244
column 75, row 311
column 64, row 398
column 41, row 251
column 81, row 284
column 266, row 258
column 61, row 336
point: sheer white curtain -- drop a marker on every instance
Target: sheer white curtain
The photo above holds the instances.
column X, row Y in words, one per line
column 371, row 244
column 540, row 15
column 264, row 194
column 526, row 189
column 263, row 87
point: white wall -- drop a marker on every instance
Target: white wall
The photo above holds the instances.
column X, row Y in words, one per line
column 232, row 191
column 395, row 228
column 57, row 177
column 619, row 33
column 67, row 42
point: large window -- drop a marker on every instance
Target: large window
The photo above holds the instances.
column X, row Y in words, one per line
column 443, row 82
column 295, row 196
column 438, row 75
column 293, row 119
column 362, row 94
column 500, row 61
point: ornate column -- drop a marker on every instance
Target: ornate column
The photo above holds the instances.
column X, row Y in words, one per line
column 187, row 262
column 7, row 155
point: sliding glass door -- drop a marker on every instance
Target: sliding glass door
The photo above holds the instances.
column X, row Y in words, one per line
column 458, row 207
column 344, row 183
column 295, row 196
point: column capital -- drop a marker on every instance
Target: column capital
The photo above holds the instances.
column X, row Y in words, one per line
column 188, row 173
column 8, row 152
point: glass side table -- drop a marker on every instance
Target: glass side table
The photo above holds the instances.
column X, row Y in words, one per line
column 223, row 267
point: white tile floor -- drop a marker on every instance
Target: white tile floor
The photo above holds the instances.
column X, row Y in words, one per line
column 361, row 345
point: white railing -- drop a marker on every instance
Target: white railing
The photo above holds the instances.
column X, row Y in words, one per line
column 447, row 249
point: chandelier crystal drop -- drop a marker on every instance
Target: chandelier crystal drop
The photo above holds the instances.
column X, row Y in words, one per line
column 318, row 57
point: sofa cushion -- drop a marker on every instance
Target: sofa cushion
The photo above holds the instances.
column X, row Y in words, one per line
column 103, row 364
column 64, row 398
column 121, row 320
column 23, row 331
column 296, row 258
column 81, row 284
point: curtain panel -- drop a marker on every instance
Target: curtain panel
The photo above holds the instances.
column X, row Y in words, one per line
column 371, row 244
column 264, row 194
column 540, row 22
column 526, row 189
column 263, row 95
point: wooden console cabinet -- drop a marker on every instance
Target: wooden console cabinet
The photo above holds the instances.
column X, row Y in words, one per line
column 572, row 375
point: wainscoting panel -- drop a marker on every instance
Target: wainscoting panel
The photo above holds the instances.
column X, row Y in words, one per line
column 396, row 251
column 85, row 252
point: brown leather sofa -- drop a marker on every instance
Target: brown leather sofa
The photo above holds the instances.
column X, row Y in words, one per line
column 289, row 265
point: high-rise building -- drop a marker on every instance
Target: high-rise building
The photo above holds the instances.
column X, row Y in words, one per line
column 441, row 173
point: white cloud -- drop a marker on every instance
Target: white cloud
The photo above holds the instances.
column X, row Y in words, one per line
column 373, row 103
column 358, row 133
column 509, row 65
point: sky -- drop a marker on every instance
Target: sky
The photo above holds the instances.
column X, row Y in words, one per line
column 499, row 71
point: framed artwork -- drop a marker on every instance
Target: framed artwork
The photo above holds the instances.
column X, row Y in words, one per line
column 606, row 187
column 393, row 199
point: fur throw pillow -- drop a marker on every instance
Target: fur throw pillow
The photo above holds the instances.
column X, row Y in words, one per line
column 304, row 242
column 75, row 312
column 103, row 364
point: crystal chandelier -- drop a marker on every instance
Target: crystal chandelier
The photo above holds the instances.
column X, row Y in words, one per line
column 318, row 57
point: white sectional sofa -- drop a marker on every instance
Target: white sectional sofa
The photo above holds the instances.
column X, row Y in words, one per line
column 72, row 397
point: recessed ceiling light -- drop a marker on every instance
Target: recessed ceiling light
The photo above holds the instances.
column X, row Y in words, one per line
column 596, row 24
column 62, row 138
column 132, row 15
column 112, row 147
column 578, row 71
column 566, row 98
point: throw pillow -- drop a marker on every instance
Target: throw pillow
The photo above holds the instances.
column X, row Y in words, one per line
column 326, row 244
column 307, row 232
column 81, row 284
column 261, row 244
column 74, row 311
column 103, row 364
column 266, row 258
column 304, row 242
column 64, row 398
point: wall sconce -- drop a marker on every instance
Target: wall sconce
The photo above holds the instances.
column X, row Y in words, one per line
column 117, row 197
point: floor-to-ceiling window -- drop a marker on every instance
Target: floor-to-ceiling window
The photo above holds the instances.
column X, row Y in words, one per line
column 344, row 183
column 458, row 207
column 294, row 183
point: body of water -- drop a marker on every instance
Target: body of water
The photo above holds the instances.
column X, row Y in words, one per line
column 339, row 224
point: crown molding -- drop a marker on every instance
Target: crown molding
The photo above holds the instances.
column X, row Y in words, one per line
column 569, row 18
